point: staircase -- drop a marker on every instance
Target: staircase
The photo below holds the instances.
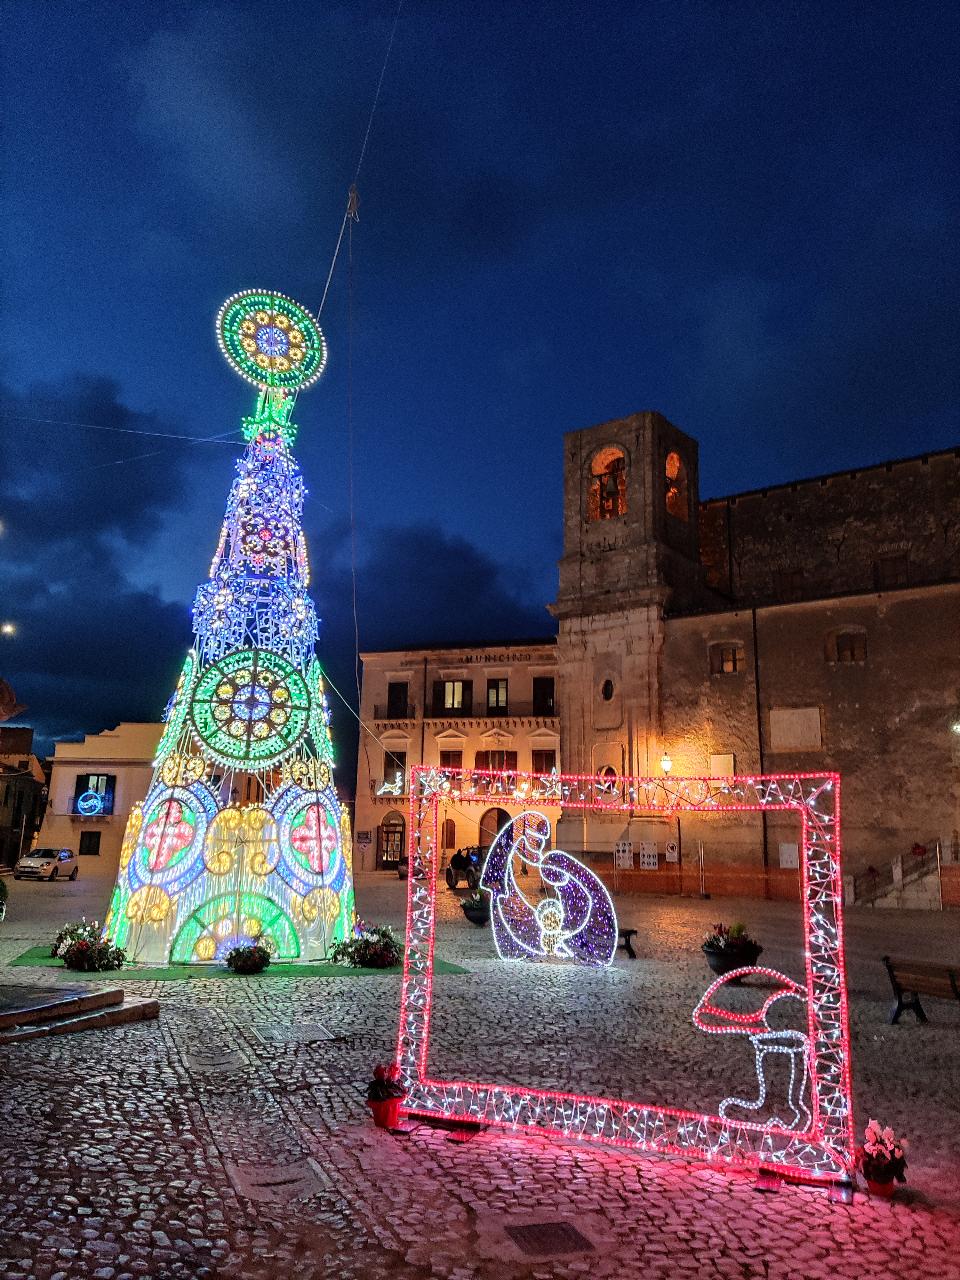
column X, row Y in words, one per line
column 42, row 1012
column 909, row 881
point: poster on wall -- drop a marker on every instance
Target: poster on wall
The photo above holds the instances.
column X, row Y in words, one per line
column 623, row 855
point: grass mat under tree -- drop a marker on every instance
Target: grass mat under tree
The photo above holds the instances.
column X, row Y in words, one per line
column 40, row 958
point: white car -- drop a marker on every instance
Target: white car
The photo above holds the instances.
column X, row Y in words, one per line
column 47, row 864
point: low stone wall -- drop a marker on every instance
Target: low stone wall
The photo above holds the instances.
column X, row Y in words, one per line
column 720, row 881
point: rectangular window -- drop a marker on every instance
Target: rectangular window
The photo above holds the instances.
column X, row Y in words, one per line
column 89, row 843
column 395, row 762
column 543, row 695
column 496, row 761
column 892, row 571
column 497, row 697
column 452, row 698
column 544, row 761
column 93, row 794
column 726, row 659
column 451, row 759
column 397, row 699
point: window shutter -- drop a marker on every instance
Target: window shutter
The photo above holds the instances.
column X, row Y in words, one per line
column 510, row 761
column 482, row 760
column 438, row 697
column 467, row 697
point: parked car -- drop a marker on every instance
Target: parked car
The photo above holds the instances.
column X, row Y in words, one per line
column 47, row 864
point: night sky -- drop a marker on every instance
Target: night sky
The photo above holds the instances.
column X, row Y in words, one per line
column 742, row 215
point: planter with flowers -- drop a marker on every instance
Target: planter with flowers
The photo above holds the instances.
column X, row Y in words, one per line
column 385, row 1094
column 882, row 1159
column 730, row 947
column 250, row 958
column 81, row 947
column 476, row 908
column 373, row 946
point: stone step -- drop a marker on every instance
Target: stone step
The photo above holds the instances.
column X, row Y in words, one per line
column 131, row 1009
column 57, row 1004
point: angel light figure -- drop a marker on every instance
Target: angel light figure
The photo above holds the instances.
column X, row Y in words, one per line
column 718, row 1021
column 576, row 921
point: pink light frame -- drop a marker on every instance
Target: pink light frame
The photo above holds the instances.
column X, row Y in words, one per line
column 824, row 1152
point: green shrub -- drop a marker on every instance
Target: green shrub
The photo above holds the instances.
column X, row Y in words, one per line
column 252, row 958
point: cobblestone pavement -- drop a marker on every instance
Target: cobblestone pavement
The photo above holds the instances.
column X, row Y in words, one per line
column 231, row 1138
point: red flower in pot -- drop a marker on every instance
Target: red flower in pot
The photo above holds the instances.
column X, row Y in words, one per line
column 385, row 1095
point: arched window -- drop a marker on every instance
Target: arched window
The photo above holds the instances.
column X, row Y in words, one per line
column 607, row 497
column 675, row 477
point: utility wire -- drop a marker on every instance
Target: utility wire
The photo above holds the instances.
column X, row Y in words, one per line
column 220, row 438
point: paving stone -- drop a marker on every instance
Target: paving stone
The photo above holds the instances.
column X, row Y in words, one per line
column 232, row 1139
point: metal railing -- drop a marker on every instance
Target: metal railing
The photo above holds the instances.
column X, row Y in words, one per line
column 515, row 710
column 383, row 711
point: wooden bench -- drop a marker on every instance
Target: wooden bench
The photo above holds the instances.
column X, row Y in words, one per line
column 624, row 941
column 912, row 979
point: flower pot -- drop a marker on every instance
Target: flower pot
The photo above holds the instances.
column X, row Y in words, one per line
column 476, row 915
column 883, row 1189
column 386, row 1112
column 724, row 960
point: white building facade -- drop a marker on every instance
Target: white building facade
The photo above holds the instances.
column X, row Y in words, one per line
column 468, row 707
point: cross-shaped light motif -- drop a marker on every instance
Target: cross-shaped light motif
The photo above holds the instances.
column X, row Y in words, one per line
column 167, row 834
column 315, row 838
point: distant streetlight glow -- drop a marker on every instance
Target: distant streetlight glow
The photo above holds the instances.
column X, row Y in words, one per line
column 8, row 628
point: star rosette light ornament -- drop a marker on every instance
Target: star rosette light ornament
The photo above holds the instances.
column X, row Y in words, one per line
column 241, row 837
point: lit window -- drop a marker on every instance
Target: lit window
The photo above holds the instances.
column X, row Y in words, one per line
column 452, row 695
column 497, row 697
column 726, row 659
column 675, row 475
column 607, row 497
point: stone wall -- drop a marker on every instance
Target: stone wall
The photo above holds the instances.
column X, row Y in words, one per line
column 887, row 526
column 885, row 722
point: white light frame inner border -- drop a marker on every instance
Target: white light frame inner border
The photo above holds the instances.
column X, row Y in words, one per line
column 824, row 1152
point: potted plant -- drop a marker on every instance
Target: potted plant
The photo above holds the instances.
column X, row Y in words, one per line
column 881, row 1159
column 384, row 1096
column 476, row 907
column 252, row 957
column 373, row 946
column 730, row 947
column 80, row 946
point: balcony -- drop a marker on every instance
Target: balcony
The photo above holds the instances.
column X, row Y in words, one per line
column 515, row 711
column 389, row 711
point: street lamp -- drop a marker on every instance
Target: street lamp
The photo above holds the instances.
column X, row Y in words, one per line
column 666, row 764
column 8, row 628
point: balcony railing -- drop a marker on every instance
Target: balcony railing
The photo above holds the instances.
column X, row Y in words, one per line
column 405, row 711
column 515, row 710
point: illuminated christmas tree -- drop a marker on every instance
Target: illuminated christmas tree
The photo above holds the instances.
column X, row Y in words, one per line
column 241, row 837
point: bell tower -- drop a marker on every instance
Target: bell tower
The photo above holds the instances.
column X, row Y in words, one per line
column 630, row 556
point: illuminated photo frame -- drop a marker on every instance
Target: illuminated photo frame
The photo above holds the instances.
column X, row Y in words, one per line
column 824, row 1151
